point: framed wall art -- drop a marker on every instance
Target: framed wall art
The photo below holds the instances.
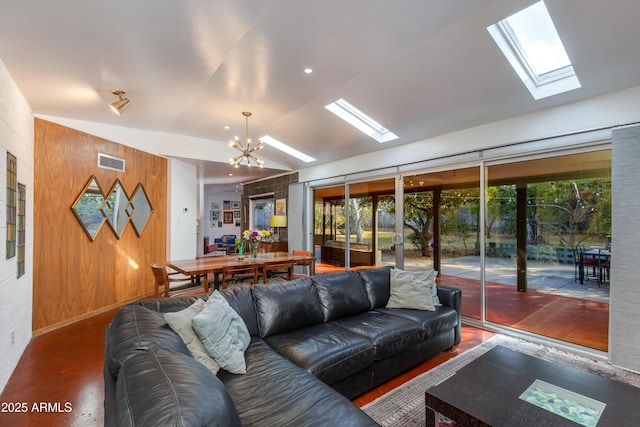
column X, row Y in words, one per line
column 281, row 207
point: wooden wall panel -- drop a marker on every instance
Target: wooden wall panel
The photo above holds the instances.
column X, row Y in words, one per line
column 73, row 276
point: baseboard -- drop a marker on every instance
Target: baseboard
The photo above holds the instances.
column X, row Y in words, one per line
column 84, row 316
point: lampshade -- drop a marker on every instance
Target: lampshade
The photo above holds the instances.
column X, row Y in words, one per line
column 121, row 104
column 278, row 221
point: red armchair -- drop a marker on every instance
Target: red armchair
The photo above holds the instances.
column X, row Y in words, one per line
column 211, row 248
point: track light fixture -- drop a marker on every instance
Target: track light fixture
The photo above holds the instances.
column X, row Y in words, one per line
column 121, row 104
column 245, row 148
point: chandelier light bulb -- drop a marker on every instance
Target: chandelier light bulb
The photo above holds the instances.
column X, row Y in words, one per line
column 245, row 148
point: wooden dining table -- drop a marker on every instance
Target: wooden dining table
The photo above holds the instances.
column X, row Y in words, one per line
column 212, row 266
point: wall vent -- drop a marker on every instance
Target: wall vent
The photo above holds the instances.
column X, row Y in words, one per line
column 110, row 162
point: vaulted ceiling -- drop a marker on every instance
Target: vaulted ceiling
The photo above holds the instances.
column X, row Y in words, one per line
column 420, row 67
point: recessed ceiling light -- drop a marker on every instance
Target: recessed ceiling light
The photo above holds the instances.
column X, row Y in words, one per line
column 226, row 127
column 287, row 149
column 308, row 70
column 230, row 174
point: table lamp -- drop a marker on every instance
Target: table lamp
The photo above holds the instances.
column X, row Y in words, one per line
column 277, row 221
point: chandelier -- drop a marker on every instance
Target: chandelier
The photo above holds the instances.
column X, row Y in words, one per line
column 247, row 157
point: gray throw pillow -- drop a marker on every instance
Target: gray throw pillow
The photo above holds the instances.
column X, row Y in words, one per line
column 223, row 333
column 180, row 322
column 411, row 289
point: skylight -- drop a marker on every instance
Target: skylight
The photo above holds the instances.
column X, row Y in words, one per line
column 533, row 47
column 360, row 121
column 286, row 148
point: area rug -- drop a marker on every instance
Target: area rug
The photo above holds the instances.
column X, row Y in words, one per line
column 404, row 406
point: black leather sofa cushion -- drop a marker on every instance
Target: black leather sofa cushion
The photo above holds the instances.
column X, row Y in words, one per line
column 275, row 392
column 389, row 334
column 239, row 298
column 161, row 388
column 341, row 294
column 326, row 350
column 282, row 307
column 376, row 282
column 135, row 328
column 431, row 322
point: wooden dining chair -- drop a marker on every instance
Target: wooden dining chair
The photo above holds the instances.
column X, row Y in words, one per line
column 239, row 272
column 277, row 269
column 164, row 279
column 304, row 263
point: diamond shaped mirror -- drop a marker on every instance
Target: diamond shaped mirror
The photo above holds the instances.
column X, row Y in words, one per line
column 87, row 208
column 116, row 208
column 141, row 209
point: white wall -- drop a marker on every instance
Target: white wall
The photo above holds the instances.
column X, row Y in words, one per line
column 16, row 136
column 182, row 197
column 212, row 193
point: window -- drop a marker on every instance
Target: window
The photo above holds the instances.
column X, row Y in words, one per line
column 531, row 44
column 361, row 121
column 286, row 149
column 12, row 166
column 21, row 226
column 261, row 211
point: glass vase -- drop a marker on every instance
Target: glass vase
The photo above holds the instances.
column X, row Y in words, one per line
column 253, row 248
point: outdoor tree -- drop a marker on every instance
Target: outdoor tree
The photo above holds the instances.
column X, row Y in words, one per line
column 459, row 211
column 573, row 210
column 360, row 216
column 418, row 217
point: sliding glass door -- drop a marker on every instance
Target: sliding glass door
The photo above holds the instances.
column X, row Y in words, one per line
column 530, row 247
column 441, row 217
column 355, row 230
column 542, row 215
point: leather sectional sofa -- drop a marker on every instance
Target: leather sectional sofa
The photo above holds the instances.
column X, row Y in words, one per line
column 315, row 343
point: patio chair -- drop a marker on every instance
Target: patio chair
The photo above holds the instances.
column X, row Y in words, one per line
column 584, row 264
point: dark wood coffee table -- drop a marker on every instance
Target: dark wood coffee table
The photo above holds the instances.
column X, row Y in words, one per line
column 487, row 391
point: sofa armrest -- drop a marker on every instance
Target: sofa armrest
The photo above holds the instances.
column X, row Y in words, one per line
column 162, row 388
column 169, row 305
column 452, row 297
